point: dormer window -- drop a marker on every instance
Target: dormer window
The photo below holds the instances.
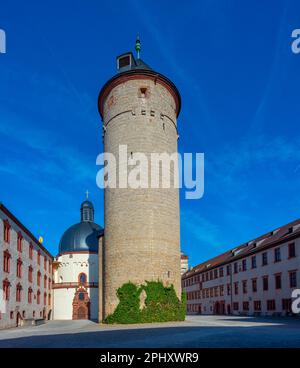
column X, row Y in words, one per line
column 124, row 61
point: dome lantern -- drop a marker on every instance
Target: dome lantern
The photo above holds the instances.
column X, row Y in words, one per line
column 87, row 211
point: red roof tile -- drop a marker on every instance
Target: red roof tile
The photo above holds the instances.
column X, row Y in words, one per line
column 271, row 238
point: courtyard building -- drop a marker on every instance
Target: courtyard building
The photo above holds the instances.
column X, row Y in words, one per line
column 25, row 274
column 255, row 278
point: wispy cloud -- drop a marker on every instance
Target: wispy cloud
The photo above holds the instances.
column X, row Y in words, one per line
column 165, row 50
column 261, row 152
column 40, row 157
column 273, row 73
column 205, row 233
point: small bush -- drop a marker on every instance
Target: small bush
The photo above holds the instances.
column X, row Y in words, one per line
column 128, row 309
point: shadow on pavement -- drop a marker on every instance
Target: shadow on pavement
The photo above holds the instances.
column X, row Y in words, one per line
column 268, row 336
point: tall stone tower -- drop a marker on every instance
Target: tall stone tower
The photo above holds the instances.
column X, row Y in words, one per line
column 139, row 108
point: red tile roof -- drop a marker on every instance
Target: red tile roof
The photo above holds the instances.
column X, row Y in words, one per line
column 273, row 238
column 24, row 228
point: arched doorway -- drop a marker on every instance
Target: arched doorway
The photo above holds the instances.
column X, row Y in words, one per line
column 81, row 304
column 217, row 308
column 82, row 312
column 19, row 320
column 222, row 307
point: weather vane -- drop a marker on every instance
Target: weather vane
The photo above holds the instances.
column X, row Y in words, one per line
column 138, row 46
column 87, row 194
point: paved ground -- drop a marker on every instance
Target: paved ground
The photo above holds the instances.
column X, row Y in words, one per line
column 196, row 331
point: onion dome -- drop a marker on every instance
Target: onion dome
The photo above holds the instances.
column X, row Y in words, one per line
column 83, row 236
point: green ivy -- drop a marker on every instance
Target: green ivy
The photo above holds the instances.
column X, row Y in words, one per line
column 161, row 304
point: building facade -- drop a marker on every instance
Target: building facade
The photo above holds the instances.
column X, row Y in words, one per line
column 256, row 278
column 184, row 263
column 75, row 269
column 25, row 274
column 139, row 108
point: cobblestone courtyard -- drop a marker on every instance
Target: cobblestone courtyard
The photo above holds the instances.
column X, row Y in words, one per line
column 196, row 331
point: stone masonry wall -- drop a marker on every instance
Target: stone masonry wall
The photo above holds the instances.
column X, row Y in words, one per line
column 142, row 240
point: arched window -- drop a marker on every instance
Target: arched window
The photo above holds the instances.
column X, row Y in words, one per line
column 38, row 297
column 18, row 293
column 81, row 296
column 82, row 278
column 30, row 270
column 6, row 233
column 29, row 295
column 19, row 268
column 6, row 261
column 39, row 278
column 6, row 289
column 30, row 251
column 20, row 242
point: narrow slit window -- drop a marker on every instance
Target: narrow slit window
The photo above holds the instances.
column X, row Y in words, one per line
column 143, row 92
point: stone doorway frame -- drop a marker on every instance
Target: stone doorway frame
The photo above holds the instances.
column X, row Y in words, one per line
column 81, row 302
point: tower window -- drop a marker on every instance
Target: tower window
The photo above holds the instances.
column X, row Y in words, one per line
column 81, row 296
column 143, row 92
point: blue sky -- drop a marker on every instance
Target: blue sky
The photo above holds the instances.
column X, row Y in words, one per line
column 239, row 81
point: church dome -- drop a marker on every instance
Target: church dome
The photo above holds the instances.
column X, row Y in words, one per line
column 83, row 236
